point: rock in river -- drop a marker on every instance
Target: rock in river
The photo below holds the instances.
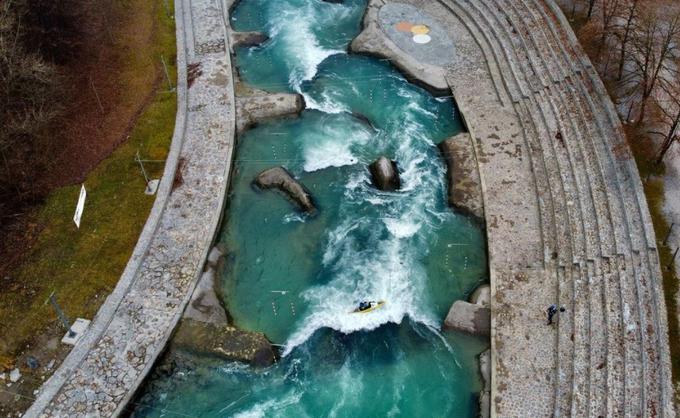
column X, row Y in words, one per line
column 225, row 342
column 470, row 318
column 279, row 178
column 384, row 174
column 465, row 187
column 481, row 295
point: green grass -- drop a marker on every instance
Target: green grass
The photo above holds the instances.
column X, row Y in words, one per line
column 83, row 265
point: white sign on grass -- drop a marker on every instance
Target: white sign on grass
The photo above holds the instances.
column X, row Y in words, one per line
column 80, row 206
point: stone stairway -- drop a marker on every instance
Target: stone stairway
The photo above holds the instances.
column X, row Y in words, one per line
column 598, row 240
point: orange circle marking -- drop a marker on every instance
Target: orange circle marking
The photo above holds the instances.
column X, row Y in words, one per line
column 403, row 26
column 420, row 29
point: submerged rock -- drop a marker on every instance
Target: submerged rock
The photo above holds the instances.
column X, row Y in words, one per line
column 247, row 39
column 465, row 188
column 279, row 178
column 469, row 318
column 225, row 342
column 481, row 295
column 205, row 305
column 384, row 174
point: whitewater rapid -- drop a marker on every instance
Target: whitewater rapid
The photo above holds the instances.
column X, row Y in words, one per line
column 296, row 277
column 390, row 269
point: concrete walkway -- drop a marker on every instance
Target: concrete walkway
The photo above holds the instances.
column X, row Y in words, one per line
column 101, row 374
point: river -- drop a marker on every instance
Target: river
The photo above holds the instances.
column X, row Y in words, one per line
column 297, row 277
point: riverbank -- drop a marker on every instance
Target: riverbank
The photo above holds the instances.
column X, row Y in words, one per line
column 83, row 265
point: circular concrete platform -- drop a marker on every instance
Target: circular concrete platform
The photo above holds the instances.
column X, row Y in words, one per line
column 417, row 34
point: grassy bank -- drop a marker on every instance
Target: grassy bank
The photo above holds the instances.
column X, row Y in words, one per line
column 83, row 265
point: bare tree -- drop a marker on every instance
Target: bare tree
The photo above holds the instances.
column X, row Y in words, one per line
column 609, row 9
column 29, row 105
column 591, row 6
column 653, row 47
column 670, row 117
column 630, row 18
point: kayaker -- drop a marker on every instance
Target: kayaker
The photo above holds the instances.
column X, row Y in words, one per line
column 364, row 305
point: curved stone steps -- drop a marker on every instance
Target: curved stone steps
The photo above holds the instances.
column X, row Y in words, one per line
column 511, row 82
column 565, row 344
column 652, row 377
column 647, row 316
column 519, row 89
column 609, row 299
column 578, row 157
column 598, row 287
column 556, row 231
column 612, row 290
column 642, row 225
column 582, row 316
column 615, row 370
column 598, row 90
column 601, row 301
column 573, row 187
column 477, row 15
column 581, row 336
column 571, row 138
column 591, row 151
column 520, row 46
column 651, row 392
column 597, row 350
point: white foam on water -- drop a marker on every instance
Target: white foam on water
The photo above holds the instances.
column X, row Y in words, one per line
column 328, row 153
column 326, row 104
column 351, row 386
column 332, row 145
column 293, row 217
column 401, row 228
column 271, row 407
column 377, row 261
column 384, row 273
column 338, row 238
column 293, row 28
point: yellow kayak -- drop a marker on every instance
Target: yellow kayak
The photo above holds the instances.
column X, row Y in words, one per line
column 373, row 307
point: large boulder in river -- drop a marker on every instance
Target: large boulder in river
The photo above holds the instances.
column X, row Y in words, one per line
column 279, row 178
column 469, row 318
column 465, row 186
column 247, row 39
column 225, row 342
column 260, row 105
column 384, row 174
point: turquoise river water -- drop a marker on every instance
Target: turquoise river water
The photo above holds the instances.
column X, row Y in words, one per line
column 296, row 278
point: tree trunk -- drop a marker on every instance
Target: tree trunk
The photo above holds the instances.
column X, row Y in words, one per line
column 670, row 138
column 665, row 147
column 626, row 35
column 591, row 4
